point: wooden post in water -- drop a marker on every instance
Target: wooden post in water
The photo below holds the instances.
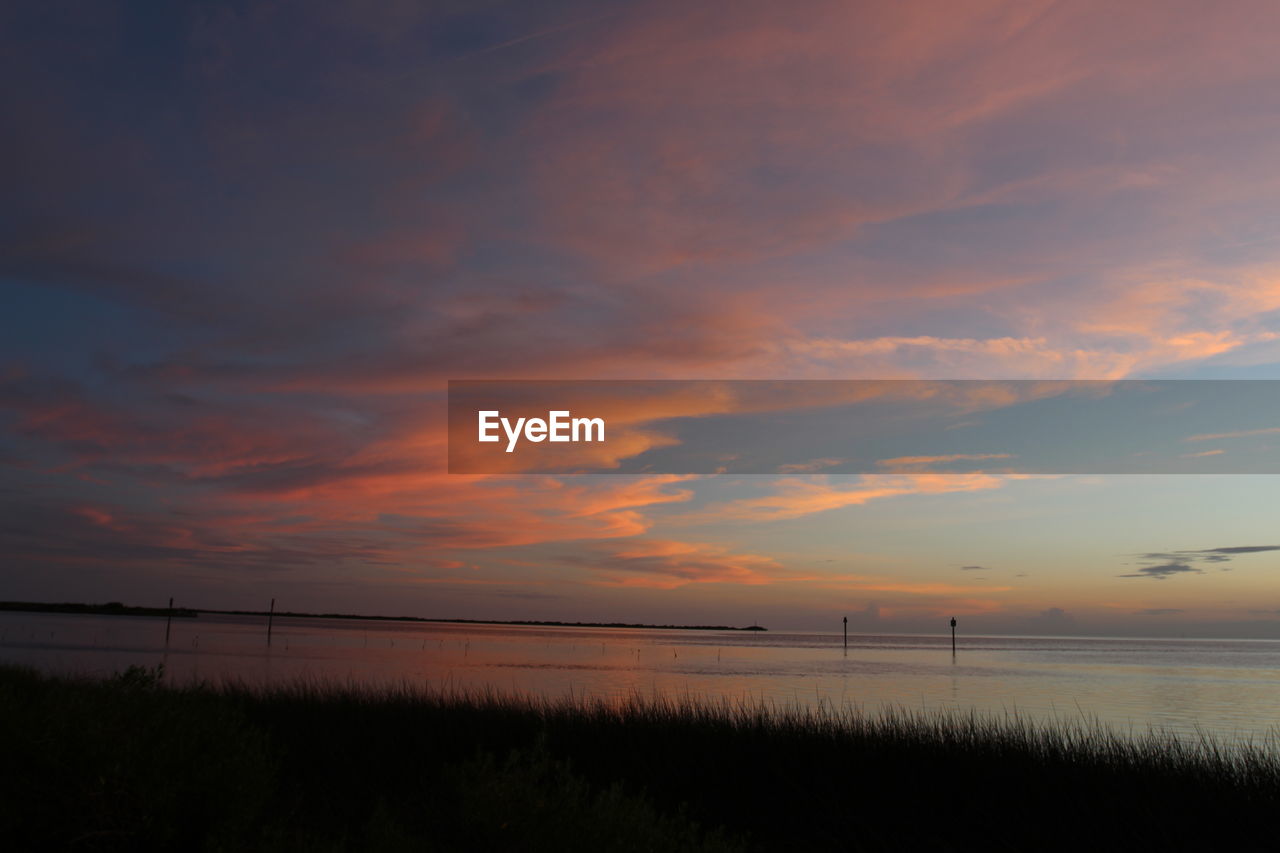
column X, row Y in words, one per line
column 846, row 634
column 271, row 615
column 953, row 636
column 167, row 622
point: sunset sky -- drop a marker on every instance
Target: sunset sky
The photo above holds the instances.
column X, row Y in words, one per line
column 244, row 247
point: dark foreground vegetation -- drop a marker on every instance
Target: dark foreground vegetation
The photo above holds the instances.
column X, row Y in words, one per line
column 129, row 764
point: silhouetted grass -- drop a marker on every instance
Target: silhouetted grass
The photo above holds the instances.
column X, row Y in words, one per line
column 128, row 764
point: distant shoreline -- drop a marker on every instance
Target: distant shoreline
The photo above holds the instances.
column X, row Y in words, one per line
column 115, row 608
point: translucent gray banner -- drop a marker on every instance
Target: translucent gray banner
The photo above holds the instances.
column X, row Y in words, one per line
column 864, row 427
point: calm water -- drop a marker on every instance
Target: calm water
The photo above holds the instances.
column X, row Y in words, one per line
column 1230, row 688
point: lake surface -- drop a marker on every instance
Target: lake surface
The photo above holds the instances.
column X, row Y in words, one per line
column 1227, row 688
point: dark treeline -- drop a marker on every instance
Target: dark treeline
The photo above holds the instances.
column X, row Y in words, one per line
column 545, row 624
column 112, row 608
column 116, row 608
column 128, row 764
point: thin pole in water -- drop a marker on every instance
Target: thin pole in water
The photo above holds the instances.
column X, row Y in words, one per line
column 168, row 622
column 846, row 635
column 953, row 636
column 271, row 615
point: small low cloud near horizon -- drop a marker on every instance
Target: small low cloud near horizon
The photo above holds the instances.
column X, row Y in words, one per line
column 244, row 249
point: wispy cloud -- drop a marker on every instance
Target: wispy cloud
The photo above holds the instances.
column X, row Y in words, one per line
column 1164, row 570
column 1244, row 433
column 1170, row 563
column 810, row 467
column 921, row 463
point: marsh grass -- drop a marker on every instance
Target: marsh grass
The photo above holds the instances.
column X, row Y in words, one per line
column 131, row 764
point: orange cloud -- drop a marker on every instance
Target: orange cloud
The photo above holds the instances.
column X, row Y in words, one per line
column 445, row 512
column 799, row 497
column 667, row 564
